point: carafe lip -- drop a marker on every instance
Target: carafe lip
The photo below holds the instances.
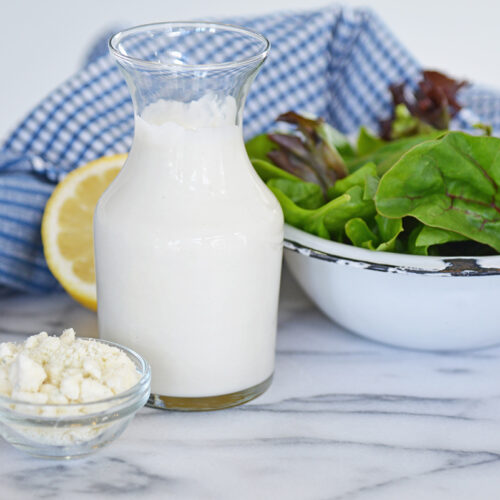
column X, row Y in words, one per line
column 114, row 41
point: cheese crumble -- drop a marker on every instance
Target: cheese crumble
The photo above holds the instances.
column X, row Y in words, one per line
column 63, row 370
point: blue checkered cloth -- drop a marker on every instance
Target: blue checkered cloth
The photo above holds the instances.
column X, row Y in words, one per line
column 335, row 62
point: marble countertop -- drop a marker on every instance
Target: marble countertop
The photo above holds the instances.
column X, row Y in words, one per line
column 345, row 418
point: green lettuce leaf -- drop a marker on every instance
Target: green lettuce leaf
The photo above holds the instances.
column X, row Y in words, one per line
column 367, row 142
column 371, row 185
column 404, row 124
column 389, row 230
column 451, row 183
column 357, row 178
column 422, row 238
column 304, row 194
column 386, row 156
column 360, row 234
column 312, row 221
column 259, row 146
column 267, row 170
column 355, row 206
column 383, row 238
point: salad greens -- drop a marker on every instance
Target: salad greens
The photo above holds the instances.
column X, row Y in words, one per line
column 423, row 238
column 415, row 187
column 316, row 155
column 383, row 237
column 428, row 107
column 451, row 183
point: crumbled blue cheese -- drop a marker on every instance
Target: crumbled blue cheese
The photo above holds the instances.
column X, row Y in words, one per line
column 65, row 369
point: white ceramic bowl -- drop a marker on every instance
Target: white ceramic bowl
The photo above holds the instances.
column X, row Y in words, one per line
column 419, row 302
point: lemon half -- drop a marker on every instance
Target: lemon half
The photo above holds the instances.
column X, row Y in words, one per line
column 67, row 233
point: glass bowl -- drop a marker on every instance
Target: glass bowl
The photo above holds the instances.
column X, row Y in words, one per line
column 64, row 431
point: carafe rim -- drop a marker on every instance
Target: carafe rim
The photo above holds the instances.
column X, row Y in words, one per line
column 259, row 56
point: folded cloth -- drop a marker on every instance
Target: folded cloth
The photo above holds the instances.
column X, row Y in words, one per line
column 334, row 62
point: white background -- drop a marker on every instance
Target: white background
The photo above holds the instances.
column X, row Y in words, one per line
column 44, row 42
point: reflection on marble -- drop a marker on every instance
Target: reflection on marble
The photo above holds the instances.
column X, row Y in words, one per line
column 345, row 418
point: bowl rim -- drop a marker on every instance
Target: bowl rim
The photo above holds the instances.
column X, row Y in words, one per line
column 143, row 384
column 313, row 246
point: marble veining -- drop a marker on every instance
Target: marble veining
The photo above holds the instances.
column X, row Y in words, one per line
column 345, row 419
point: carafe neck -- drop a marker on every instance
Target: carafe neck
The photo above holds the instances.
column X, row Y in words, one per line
column 183, row 63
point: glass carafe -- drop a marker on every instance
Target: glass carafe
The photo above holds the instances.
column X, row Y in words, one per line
column 188, row 239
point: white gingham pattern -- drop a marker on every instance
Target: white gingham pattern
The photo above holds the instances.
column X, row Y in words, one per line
column 334, row 62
